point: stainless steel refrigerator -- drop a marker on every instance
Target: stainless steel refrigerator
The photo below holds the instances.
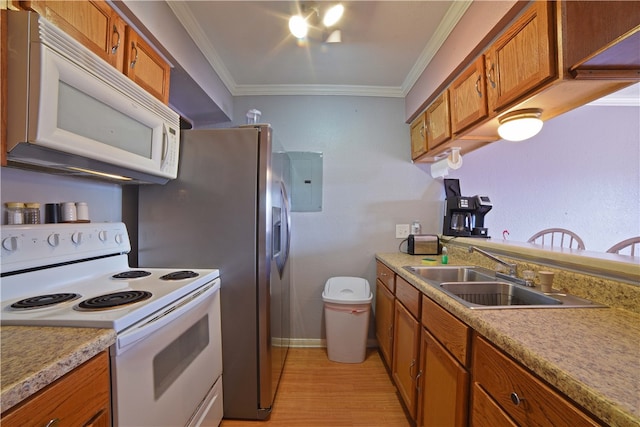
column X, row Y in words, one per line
column 229, row 209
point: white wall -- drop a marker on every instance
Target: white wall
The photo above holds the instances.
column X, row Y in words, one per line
column 369, row 186
column 581, row 172
column 104, row 199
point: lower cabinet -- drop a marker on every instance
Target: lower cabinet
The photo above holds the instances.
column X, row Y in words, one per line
column 384, row 321
column 406, row 344
column 444, row 378
column 504, row 390
column 80, row 398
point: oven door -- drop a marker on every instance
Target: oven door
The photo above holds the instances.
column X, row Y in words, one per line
column 163, row 369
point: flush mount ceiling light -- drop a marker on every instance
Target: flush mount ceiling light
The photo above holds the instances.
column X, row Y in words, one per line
column 309, row 15
column 520, row 125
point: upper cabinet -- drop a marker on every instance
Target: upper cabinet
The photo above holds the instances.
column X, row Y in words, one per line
column 554, row 56
column 99, row 28
column 468, row 97
column 144, row 66
column 433, row 128
column 522, row 58
column 92, row 23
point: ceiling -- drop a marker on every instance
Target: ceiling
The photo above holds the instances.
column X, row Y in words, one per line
column 385, row 46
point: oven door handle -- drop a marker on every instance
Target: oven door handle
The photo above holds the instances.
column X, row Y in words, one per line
column 148, row 326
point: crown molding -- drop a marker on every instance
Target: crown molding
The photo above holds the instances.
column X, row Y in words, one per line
column 446, row 26
column 344, row 90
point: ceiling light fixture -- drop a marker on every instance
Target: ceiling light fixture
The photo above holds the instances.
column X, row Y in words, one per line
column 298, row 26
column 308, row 19
column 520, row 125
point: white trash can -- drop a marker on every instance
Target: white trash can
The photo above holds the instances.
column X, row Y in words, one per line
column 347, row 306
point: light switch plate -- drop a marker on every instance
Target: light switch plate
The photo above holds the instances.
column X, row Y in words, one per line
column 402, row 231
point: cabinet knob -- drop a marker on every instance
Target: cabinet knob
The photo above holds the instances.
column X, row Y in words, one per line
column 54, row 422
column 516, row 399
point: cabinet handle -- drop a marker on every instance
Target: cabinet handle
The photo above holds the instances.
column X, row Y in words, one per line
column 493, row 83
column 135, row 58
column 413, row 363
column 477, row 88
column 54, row 422
column 418, row 382
column 115, row 47
column 422, row 131
column 516, row 399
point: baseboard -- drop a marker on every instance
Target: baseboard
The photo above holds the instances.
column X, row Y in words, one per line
column 321, row 343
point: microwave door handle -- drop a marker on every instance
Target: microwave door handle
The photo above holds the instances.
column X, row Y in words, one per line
column 165, row 144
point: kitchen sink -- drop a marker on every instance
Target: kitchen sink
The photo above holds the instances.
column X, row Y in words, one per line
column 453, row 273
column 480, row 288
column 492, row 294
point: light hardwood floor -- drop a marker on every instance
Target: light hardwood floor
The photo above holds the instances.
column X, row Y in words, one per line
column 315, row 391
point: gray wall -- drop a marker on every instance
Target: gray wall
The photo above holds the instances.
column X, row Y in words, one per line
column 369, row 186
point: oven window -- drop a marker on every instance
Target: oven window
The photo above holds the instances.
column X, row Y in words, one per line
column 175, row 358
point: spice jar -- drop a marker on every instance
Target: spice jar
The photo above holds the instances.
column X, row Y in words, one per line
column 15, row 213
column 32, row 213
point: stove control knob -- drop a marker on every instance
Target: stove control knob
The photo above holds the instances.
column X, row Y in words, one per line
column 102, row 235
column 10, row 243
column 77, row 238
column 119, row 238
column 53, row 239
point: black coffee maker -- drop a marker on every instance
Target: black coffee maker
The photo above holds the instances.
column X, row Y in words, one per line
column 464, row 216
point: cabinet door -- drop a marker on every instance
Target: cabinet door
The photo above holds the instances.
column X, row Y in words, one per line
column 523, row 57
column 486, row 413
column 444, row 386
column 93, row 23
column 384, row 321
column 519, row 393
column 438, row 121
column 79, row 398
column 418, row 138
column 146, row 67
column 468, row 97
column 406, row 344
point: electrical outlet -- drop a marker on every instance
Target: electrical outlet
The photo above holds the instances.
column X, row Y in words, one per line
column 402, row 231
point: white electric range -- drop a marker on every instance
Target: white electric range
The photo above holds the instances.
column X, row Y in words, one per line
column 166, row 364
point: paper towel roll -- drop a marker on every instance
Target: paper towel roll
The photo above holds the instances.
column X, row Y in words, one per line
column 440, row 168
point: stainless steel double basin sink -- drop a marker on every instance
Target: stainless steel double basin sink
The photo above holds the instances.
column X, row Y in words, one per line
column 480, row 288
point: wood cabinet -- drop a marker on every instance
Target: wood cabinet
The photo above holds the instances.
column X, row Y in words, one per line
column 384, row 321
column 438, row 121
column 146, row 67
column 3, row 87
column 517, row 393
column 443, row 386
column 80, row 398
column 406, row 345
column 468, row 97
column 418, row 137
column 99, row 28
column 523, row 57
column 444, row 377
column 92, row 22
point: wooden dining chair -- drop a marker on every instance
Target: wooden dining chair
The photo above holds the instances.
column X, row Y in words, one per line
column 558, row 237
column 633, row 244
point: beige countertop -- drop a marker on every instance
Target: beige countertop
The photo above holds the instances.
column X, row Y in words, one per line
column 33, row 357
column 592, row 355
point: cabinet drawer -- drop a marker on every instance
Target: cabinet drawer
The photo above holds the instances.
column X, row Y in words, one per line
column 409, row 296
column 452, row 333
column 522, row 396
column 76, row 399
column 386, row 276
column 486, row 413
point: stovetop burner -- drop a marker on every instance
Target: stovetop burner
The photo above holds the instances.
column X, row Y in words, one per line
column 41, row 301
column 132, row 274
column 114, row 300
column 179, row 275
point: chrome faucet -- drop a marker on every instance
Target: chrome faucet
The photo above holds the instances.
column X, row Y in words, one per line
column 512, row 267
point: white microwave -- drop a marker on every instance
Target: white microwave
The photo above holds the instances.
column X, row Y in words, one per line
column 71, row 112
